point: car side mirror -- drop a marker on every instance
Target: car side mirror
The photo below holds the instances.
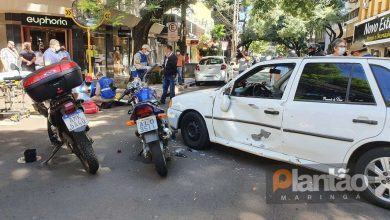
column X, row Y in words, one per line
column 14, row 67
column 226, row 102
column 227, row 91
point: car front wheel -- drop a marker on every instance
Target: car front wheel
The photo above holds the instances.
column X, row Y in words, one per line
column 194, row 131
column 375, row 166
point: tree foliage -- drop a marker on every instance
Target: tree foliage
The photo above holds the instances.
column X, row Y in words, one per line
column 219, row 32
column 292, row 23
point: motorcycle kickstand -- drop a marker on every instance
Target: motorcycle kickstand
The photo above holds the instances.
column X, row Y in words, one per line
column 52, row 155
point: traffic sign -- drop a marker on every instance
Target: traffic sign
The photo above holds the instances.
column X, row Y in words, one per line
column 68, row 13
column 172, row 31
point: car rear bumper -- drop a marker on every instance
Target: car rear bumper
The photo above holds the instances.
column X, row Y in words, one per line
column 173, row 118
column 199, row 77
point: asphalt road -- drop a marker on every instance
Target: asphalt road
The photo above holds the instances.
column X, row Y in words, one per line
column 220, row 183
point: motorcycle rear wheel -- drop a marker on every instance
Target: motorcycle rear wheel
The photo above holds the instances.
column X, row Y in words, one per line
column 158, row 158
column 84, row 151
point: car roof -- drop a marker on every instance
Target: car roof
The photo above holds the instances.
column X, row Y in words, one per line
column 333, row 57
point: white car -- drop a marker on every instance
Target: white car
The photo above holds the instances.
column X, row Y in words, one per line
column 212, row 69
column 321, row 113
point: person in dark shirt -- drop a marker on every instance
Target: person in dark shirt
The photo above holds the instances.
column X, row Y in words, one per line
column 28, row 58
column 170, row 71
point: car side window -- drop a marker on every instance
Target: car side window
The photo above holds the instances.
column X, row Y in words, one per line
column 382, row 76
column 360, row 91
column 326, row 82
column 264, row 81
column 334, row 83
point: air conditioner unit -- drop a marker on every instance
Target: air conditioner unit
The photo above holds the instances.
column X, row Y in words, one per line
column 366, row 4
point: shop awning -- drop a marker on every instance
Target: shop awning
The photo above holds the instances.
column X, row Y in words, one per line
column 156, row 29
column 129, row 20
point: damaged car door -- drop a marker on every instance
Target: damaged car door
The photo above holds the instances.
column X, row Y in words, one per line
column 254, row 116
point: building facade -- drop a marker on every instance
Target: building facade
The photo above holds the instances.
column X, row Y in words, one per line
column 23, row 21
column 370, row 24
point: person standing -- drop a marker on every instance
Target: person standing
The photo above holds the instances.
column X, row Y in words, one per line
column 360, row 50
column 39, row 63
column 337, row 47
column 170, row 69
column 187, row 58
column 27, row 56
column 243, row 60
column 64, row 53
column 180, row 66
column 51, row 55
column 141, row 61
column 8, row 56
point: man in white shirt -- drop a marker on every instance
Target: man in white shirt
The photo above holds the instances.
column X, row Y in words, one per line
column 8, row 56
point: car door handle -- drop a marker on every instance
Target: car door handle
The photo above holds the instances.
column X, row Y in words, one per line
column 363, row 121
column 271, row 112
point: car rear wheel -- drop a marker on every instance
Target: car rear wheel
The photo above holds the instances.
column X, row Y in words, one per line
column 375, row 165
column 194, row 131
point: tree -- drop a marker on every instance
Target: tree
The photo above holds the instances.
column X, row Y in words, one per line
column 293, row 22
column 219, row 32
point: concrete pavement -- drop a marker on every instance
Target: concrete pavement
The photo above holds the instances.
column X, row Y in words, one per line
column 221, row 183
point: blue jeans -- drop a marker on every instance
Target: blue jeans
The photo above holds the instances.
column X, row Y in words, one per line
column 168, row 81
column 180, row 79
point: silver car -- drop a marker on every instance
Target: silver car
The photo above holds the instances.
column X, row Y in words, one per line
column 212, row 69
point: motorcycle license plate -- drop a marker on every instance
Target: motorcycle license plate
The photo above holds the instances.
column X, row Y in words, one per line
column 147, row 124
column 75, row 120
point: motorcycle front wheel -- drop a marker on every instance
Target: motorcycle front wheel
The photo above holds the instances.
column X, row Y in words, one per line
column 84, row 151
column 158, row 158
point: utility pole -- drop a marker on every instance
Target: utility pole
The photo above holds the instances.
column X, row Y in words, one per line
column 236, row 8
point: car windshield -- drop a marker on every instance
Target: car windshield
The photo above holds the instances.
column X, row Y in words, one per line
column 211, row 61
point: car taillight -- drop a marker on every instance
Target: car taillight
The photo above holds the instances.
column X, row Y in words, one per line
column 144, row 111
column 223, row 67
column 69, row 108
column 197, row 67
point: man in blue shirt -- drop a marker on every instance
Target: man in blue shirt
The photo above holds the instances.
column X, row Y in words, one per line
column 51, row 55
column 141, row 61
column 105, row 91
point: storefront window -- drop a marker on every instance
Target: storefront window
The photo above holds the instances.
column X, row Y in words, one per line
column 98, row 51
column 121, row 55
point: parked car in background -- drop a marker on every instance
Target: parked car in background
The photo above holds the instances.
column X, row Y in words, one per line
column 324, row 113
column 213, row 69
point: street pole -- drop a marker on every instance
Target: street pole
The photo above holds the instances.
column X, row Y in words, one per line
column 234, row 40
column 89, row 54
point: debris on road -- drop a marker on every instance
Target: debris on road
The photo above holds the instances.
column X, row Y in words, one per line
column 119, row 151
column 180, row 153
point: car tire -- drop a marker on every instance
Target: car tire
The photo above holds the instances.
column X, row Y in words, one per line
column 376, row 157
column 194, row 131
